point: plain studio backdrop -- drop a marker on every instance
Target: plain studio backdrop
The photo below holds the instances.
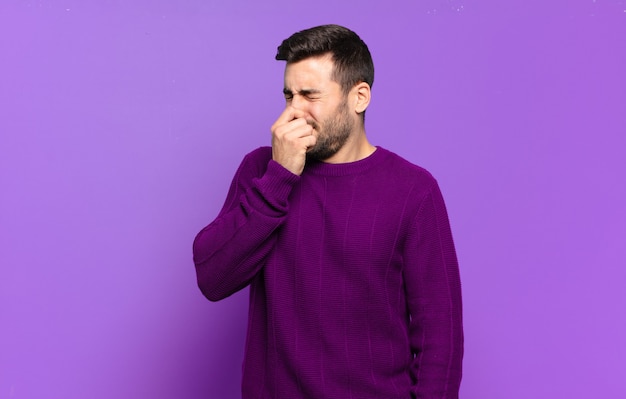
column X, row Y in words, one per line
column 122, row 124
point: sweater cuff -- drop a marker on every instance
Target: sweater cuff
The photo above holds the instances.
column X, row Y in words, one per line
column 276, row 185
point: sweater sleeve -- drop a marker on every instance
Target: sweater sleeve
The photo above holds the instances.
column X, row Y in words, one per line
column 232, row 249
column 433, row 291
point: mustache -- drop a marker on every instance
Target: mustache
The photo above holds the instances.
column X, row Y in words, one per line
column 313, row 124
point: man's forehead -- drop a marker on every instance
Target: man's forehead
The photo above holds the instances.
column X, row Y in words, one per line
column 314, row 73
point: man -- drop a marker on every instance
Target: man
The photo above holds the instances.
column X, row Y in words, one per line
column 354, row 283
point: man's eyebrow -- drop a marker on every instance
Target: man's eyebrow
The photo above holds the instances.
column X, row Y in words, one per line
column 303, row 92
column 306, row 92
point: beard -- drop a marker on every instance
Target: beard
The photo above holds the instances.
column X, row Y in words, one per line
column 333, row 133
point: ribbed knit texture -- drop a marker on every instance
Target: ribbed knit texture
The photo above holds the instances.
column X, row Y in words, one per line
column 354, row 282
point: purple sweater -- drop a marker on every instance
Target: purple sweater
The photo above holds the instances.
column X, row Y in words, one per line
column 354, row 282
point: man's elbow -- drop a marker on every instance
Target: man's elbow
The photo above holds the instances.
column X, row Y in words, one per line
column 206, row 284
column 210, row 293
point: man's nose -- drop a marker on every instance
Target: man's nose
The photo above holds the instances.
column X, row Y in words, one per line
column 299, row 103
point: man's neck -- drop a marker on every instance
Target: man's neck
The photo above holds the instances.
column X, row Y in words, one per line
column 355, row 149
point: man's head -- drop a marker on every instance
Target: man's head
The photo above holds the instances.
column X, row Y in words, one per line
column 328, row 77
column 352, row 59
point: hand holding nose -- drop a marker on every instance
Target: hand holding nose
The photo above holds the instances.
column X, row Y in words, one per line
column 291, row 137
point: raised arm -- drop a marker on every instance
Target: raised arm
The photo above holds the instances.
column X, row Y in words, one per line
column 231, row 250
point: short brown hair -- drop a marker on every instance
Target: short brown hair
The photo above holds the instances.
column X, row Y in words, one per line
column 352, row 59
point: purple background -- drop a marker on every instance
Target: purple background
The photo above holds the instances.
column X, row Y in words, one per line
column 122, row 124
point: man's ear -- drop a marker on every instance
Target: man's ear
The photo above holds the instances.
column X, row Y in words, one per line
column 362, row 94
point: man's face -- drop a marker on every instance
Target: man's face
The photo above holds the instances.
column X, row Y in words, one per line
column 310, row 90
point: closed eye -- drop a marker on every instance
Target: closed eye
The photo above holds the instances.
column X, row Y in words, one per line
column 288, row 94
column 309, row 94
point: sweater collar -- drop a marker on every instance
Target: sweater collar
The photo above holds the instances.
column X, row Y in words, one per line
column 345, row 169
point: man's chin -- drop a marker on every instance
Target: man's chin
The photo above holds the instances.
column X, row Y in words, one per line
column 320, row 153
